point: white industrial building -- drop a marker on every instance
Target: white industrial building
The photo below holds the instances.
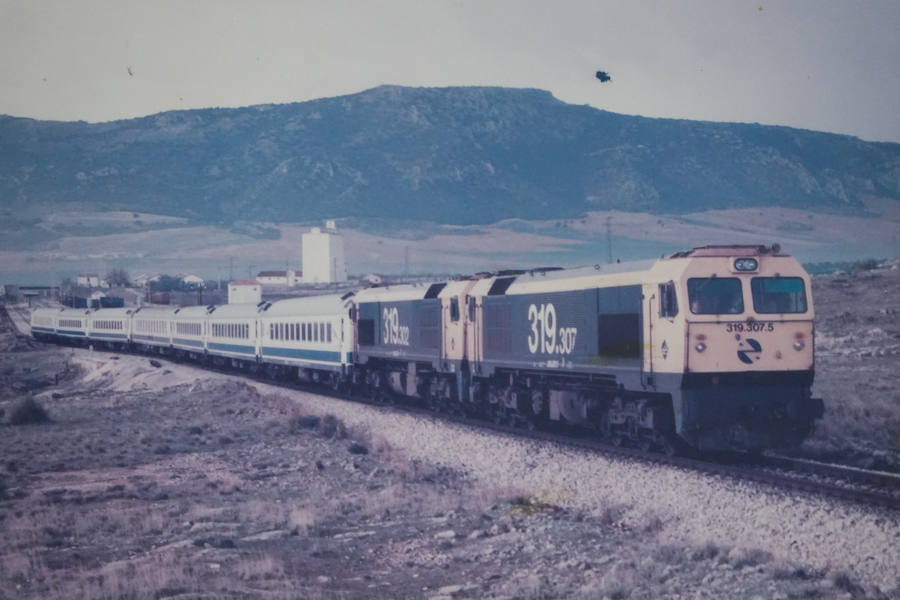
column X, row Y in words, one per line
column 323, row 255
column 288, row 278
column 244, row 290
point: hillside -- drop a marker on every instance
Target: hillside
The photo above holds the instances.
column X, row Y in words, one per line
column 450, row 155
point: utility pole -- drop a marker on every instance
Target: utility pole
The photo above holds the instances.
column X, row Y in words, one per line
column 609, row 239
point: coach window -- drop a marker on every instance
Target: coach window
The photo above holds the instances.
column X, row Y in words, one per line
column 668, row 303
column 328, row 332
column 321, row 332
column 454, row 309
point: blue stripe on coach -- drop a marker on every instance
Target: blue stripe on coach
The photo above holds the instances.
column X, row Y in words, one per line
column 233, row 348
column 320, row 355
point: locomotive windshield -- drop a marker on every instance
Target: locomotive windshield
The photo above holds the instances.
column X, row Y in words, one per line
column 715, row 295
column 778, row 295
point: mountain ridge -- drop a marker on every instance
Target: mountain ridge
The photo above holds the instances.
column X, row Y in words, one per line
column 453, row 155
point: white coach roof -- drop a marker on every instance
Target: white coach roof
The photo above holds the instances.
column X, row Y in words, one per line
column 310, row 305
column 248, row 310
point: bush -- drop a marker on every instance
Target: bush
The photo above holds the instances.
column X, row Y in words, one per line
column 332, row 427
column 27, row 411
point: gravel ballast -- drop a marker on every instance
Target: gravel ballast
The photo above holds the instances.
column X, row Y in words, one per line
column 689, row 507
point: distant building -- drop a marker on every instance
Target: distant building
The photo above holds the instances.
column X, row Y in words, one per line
column 323, row 255
column 192, row 280
column 90, row 280
column 143, row 279
column 244, row 290
column 288, row 278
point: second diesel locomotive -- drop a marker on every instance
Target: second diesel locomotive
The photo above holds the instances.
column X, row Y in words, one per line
column 710, row 348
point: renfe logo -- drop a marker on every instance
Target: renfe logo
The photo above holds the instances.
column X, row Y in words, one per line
column 748, row 355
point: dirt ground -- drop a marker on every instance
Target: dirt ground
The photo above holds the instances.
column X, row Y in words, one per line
column 857, row 360
column 145, row 483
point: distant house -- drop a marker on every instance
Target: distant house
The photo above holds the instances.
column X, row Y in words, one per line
column 90, row 280
column 192, row 281
column 288, row 278
column 143, row 279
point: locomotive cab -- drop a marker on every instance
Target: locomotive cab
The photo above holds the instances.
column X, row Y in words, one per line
column 748, row 349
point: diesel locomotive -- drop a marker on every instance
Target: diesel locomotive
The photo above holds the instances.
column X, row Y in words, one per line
column 710, row 349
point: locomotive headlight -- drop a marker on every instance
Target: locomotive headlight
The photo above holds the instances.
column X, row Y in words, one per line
column 745, row 264
column 700, row 347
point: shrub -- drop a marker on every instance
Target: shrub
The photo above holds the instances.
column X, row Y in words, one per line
column 27, row 411
column 309, row 421
column 332, row 427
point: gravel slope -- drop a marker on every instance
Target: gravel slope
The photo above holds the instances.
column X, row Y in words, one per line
column 690, row 507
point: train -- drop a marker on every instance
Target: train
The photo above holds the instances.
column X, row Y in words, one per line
column 706, row 350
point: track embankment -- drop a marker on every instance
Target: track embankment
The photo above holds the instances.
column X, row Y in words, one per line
column 687, row 506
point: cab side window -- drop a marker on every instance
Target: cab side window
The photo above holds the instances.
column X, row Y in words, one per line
column 668, row 303
column 454, row 309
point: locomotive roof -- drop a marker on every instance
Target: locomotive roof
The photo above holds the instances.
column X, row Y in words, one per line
column 562, row 279
column 394, row 293
column 309, row 305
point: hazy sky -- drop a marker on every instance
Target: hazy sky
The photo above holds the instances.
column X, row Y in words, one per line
column 816, row 64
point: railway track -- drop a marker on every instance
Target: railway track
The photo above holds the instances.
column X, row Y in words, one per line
column 850, row 484
column 841, row 482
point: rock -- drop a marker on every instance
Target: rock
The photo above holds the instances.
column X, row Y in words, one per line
column 323, row 579
column 450, row 590
column 155, row 363
column 447, row 534
column 357, row 448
